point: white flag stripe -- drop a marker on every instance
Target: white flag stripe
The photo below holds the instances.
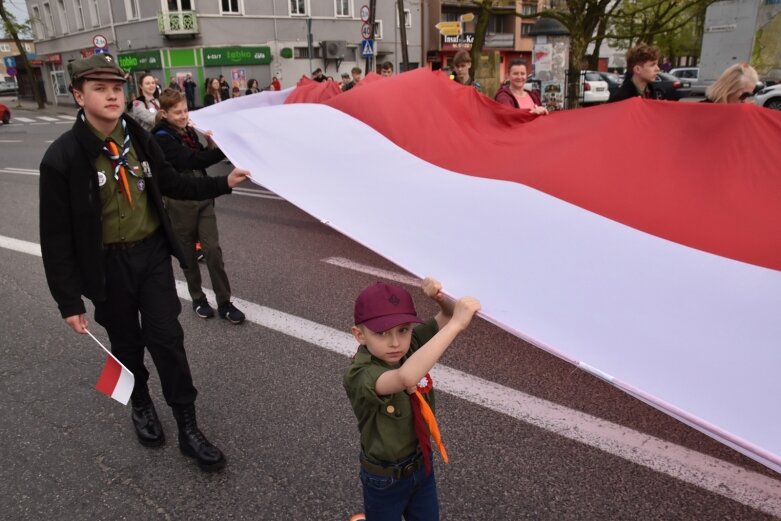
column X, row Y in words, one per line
column 541, row 267
column 124, row 387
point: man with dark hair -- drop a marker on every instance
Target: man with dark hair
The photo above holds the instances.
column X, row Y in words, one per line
column 642, row 66
column 318, row 75
column 387, row 69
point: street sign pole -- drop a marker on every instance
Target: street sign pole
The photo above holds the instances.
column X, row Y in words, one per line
column 403, row 36
column 372, row 7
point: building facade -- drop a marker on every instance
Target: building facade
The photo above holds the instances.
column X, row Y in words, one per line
column 240, row 39
column 9, row 50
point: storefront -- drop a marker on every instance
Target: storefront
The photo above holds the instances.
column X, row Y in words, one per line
column 238, row 65
column 137, row 64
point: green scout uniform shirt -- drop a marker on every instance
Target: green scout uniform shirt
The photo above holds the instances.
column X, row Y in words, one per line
column 120, row 222
column 385, row 422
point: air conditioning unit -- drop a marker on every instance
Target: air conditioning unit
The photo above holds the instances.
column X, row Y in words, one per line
column 334, row 49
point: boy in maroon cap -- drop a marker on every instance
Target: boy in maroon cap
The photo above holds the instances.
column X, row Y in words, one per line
column 392, row 397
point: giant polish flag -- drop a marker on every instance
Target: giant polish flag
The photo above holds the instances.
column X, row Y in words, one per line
column 640, row 241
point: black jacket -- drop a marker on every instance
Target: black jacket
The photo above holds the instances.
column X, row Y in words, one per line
column 70, row 209
column 183, row 158
column 628, row 90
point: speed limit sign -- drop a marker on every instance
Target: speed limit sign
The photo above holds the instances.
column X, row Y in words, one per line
column 366, row 31
column 99, row 41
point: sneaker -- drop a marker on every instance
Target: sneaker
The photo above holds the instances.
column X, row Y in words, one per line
column 203, row 309
column 230, row 313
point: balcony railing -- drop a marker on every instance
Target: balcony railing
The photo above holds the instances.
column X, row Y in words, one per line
column 178, row 23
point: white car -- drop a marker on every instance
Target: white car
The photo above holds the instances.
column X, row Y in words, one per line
column 594, row 88
column 769, row 97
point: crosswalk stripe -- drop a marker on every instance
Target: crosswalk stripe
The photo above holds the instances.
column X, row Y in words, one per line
column 31, row 170
column 2, row 171
column 47, row 118
column 23, row 120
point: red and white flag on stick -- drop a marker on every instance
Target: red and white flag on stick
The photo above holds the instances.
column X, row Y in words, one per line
column 115, row 380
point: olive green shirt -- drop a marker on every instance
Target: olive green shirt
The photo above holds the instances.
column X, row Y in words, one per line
column 121, row 223
column 385, row 422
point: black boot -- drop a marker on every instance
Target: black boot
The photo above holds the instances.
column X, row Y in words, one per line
column 193, row 443
column 147, row 424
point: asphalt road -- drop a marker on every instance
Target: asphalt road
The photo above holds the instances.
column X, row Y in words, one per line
column 275, row 405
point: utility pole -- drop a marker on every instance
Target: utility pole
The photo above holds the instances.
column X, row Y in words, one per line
column 403, row 36
column 372, row 8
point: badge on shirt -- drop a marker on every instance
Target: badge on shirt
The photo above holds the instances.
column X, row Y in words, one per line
column 141, row 185
column 101, row 178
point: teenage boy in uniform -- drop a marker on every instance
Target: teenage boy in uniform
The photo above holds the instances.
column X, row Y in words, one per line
column 105, row 235
column 642, row 66
column 390, row 390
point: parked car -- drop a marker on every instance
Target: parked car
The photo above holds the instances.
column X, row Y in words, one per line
column 613, row 80
column 5, row 114
column 594, row 88
column 769, row 97
column 691, row 74
column 7, row 87
column 670, row 87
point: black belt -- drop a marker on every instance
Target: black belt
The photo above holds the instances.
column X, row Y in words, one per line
column 127, row 245
column 397, row 470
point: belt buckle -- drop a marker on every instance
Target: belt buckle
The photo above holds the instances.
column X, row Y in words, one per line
column 408, row 469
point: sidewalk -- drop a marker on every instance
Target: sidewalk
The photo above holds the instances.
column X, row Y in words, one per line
column 14, row 103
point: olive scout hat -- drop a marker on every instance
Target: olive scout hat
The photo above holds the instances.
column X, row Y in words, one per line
column 96, row 67
column 382, row 307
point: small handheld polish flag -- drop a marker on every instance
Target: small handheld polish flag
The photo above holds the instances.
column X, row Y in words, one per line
column 115, row 380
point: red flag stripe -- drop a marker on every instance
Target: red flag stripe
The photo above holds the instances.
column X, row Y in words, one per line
column 701, row 175
column 109, row 376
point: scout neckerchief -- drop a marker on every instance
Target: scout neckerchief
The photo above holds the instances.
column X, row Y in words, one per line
column 119, row 160
column 425, row 423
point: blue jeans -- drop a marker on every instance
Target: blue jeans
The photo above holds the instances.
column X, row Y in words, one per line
column 387, row 498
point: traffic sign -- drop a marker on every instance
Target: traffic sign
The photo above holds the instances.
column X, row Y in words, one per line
column 365, row 13
column 366, row 31
column 450, row 28
column 101, row 50
column 10, row 61
column 11, row 71
column 99, row 41
column 367, row 48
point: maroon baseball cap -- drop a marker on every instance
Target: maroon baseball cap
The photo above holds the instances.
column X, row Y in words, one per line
column 381, row 307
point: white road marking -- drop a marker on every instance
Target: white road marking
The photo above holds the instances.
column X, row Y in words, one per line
column 47, row 118
column 16, row 172
column 23, row 120
column 371, row 270
column 752, row 489
column 66, row 117
column 28, row 170
column 262, row 194
column 10, row 141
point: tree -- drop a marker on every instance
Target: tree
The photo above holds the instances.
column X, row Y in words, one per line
column 13, row 28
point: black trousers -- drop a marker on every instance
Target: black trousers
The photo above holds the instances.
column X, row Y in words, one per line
column 141, row 311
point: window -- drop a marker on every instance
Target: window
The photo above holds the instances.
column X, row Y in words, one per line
column 303, row 53
column 79, row 16
column 298, row 7
column 5, row 47
column 449, row 17
column 231, row 6
column 28, row 47
column 378, row 29
column 526, row 29
column 178, row 5
column 407, row 18
column 496, row 24
column 131, row 9
column 58, row 81
column 48, row 20
column 66, row 28
column 94, row 14
column 37, row 32
column 343, row 8
column 529, row 10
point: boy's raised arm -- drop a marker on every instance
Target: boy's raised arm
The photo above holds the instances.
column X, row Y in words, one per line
column 433, row 290
column 421, row 362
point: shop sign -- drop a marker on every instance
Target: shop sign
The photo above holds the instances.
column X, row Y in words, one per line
column 236, row 56
column 148, row 60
